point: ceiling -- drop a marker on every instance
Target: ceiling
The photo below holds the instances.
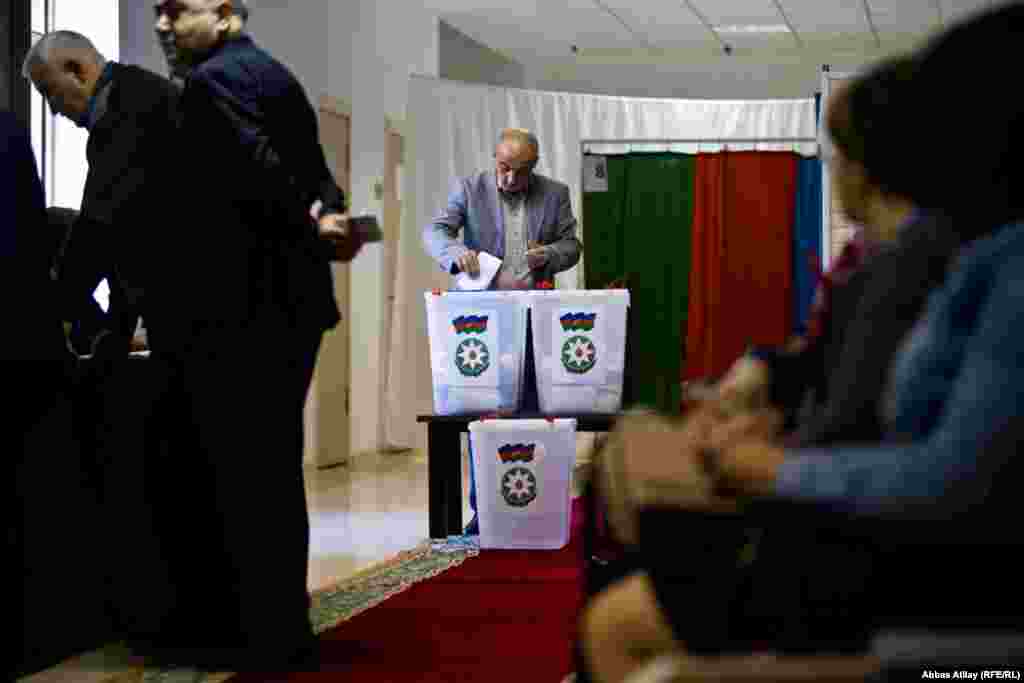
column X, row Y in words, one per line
column 544, row 31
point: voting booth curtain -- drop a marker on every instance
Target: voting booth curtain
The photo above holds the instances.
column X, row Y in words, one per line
column 807, row 247
column 741, row 280
column 638, row 227
column 452, row 130
column 717, row 249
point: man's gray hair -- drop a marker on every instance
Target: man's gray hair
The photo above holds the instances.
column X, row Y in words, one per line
column 520, row 135
column 43, row 50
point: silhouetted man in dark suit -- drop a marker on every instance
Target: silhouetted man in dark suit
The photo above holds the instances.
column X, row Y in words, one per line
column 90, row 318
column 258, row 298
column 131, row 116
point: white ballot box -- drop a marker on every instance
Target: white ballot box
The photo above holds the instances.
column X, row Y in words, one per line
column 523, row 474
column 579, row 343
column 477, row 348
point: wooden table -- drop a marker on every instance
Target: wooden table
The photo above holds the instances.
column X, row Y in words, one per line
column 444, row 462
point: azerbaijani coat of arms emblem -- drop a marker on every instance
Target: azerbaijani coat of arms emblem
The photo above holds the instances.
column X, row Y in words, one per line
column 472, row 357
column 579, row 355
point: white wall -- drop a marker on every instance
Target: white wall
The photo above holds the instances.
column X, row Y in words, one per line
column 463, row 59
column 390, row 39
column 297, row 37
column 138, row 42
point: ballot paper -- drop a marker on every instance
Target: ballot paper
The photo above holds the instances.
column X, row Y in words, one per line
column 489, row 266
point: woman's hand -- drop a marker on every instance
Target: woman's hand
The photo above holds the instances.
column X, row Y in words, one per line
column 745, row 385
column 745, row 455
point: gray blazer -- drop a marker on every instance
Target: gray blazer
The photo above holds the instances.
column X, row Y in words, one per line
column 473, row 206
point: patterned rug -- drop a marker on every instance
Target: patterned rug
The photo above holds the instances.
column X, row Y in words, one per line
column 348, row 598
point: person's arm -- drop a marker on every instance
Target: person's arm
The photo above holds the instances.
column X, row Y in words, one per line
column 441, row 236
column 285, row 153
column 123, row 313
column 293, row 122
column 128, row 174
column 987, row 395
column 564, row 252
column 84, row 265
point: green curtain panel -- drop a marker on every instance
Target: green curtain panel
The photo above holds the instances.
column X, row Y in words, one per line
column 640, row 229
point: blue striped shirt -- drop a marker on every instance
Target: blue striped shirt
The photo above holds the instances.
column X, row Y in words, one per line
column 956, row 383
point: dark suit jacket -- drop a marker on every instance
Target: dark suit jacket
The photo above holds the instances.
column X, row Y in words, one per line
column 91, row 319
column 124, row 223
column 32, row 329
column 255, row 167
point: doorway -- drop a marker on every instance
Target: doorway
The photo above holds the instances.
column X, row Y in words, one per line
column 392, row 205
column 328, row 405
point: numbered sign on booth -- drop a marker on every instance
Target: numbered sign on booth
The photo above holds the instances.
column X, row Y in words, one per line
column 473, row 347
column 580, row 345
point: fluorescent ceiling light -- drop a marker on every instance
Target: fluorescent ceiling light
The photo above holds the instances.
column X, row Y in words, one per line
column 753, row 28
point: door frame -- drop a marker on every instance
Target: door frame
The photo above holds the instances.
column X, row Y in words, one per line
column 322, row 398
column 393, row 205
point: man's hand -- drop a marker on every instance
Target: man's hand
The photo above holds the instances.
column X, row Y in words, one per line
column 469, row 263
column 334, row 229
column 334, row 226
column 506, row 280
column 537, row 255
column 745, row 385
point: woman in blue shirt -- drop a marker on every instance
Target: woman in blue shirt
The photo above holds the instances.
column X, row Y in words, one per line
column 956, row 389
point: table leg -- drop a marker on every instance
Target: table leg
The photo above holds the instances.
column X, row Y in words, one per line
column 444, row 479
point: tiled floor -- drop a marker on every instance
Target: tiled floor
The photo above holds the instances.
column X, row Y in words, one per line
column 365, row 512
column 360, row 513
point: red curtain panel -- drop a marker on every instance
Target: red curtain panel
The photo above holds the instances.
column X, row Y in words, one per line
column 742, row 270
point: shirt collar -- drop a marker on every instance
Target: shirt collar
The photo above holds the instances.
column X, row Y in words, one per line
column 98, row 102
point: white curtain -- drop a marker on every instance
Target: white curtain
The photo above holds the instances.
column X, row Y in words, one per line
column 453, row 131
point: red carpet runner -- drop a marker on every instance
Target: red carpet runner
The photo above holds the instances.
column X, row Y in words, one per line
column 506, row 616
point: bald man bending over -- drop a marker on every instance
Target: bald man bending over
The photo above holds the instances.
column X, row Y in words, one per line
column 121, row 232
column 522, row 217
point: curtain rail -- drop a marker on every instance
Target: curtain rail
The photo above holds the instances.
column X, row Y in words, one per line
column 690, row 141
